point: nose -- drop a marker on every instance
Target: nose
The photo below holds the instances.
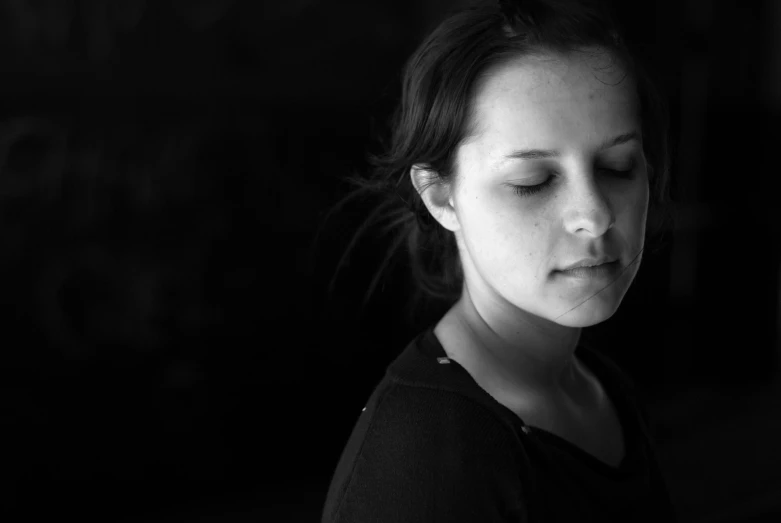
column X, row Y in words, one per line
column 588, row 209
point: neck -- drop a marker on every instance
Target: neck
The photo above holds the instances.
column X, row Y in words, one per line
column 524, row 354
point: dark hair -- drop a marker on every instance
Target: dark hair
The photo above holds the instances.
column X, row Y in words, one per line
column 433, row 119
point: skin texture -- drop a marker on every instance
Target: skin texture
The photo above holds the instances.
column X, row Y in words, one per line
column 518, row 322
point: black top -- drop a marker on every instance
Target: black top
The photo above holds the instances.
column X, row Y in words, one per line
column 432, row 446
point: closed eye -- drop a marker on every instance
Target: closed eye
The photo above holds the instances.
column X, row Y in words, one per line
column 528, row 190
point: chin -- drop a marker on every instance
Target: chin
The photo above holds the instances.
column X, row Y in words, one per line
column 586, row 314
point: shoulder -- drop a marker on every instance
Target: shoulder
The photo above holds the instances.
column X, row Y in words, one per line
column 420, row 414
column 430, row 455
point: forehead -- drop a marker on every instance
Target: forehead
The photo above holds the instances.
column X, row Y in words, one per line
column 554, row 102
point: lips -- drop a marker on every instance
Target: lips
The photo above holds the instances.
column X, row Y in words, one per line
column 589, row 262
column 592, row 274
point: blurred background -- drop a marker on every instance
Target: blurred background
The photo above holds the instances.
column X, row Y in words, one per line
column 170, row 352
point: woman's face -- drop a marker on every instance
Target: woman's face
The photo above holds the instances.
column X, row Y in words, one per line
column 513, row 245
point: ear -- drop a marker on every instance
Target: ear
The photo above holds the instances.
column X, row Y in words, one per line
column 436, row 195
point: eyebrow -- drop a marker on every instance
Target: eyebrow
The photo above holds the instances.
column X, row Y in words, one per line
column 540, row 154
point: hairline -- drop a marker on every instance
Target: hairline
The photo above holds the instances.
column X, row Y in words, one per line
column 535, row 52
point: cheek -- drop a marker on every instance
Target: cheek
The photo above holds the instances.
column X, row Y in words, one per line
column 504, row 233
column 635, row 209
column 633, row 199
column 641, row 199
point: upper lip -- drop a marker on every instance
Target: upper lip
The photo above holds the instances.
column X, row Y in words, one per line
column 589, row 262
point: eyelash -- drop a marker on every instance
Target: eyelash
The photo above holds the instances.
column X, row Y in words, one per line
column 528, row 190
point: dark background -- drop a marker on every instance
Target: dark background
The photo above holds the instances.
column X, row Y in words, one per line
column 169, row 350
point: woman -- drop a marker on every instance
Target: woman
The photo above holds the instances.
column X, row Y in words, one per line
column 530, row 145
